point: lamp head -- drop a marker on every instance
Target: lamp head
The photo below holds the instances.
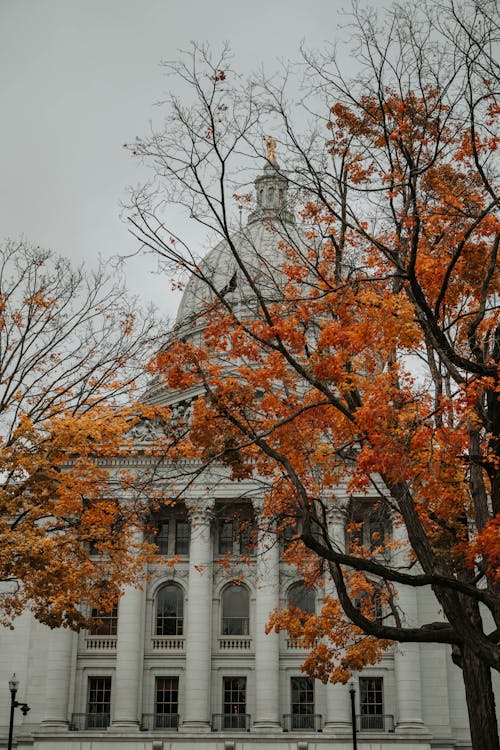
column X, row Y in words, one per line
column 13, row 684
column 352, row 685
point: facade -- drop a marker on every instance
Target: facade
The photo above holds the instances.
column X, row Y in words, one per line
column 185, row 662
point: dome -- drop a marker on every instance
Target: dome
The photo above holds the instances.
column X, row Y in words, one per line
column 256, row 247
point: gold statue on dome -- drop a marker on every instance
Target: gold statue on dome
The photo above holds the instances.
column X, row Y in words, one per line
column 271, row 149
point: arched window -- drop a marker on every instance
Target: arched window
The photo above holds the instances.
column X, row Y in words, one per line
column 235, row 610
column 301, row 597
column 170, row 610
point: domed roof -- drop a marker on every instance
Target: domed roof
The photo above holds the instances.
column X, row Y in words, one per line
column 255, row 247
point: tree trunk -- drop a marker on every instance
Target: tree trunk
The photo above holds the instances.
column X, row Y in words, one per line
column 480, row 702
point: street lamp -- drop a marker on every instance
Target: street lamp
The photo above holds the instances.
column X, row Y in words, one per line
column 352, row 693
column 13, row 685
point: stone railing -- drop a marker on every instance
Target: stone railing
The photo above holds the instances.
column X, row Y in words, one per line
column 167, row 643
column 100, row 642
column 293, row 645
column 235, row 643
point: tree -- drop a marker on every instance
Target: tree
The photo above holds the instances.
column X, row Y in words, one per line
column 72, row 351
column 363, row 353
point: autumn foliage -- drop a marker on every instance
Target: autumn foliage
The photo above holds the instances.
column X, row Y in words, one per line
column 71, row 357
column 356, row 371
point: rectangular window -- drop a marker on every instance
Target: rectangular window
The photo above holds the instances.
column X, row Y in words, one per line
column 235, row 702
column 247, row 537
column 290, row 533
column 105, row 621
column 162, row 538
column 166, row 703
column 367, row 526
column 225, row 537
column 181, row 537
column 98, row 702
column 371, row 702
column 302, row 703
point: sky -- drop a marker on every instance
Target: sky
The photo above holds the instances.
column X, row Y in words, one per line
column 79, row 78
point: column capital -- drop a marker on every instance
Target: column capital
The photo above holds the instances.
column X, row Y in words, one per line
column 200, row 510
column 334, row 515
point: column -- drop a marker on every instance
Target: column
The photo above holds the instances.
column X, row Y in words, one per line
column 338, row 705
column 199, row 619
column 127, row 683
column 57, row 686
column 407, row 655
column 267, row 647
column 408, row 670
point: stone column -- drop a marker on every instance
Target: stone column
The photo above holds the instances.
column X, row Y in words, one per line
column 338, row 706
column 57, row 685
column 126, row 687
column 267, row 649
column 407, row 655
column 199, row 619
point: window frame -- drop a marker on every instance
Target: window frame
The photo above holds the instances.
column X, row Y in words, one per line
column 234, row 719
column 178, row 618
column 182, row 541
column 172, row 703
column 371, row 719
column 228, row 621
column 372, row 519
column 307, row 590
column 162, row 540
column 94, row 723
column 108, row 619
column 302, row 719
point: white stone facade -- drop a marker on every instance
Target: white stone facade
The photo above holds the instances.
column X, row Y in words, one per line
column 423, row 701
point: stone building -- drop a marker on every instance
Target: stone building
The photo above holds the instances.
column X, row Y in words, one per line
column 185, row 663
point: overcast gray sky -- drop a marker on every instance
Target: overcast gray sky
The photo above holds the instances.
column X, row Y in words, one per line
column 80, row 77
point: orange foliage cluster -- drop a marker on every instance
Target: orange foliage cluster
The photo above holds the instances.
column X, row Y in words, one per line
column 360, row 366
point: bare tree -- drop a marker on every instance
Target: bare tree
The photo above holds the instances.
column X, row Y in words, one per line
column 73, row 350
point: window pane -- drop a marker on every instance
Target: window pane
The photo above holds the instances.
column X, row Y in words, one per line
column 234, row 689
column 170, row 611
column 162, row 538
column 166, row 702
column 98, row 702
column 302, row 597
column 247, row 537
column 302, row 703
column 371, row 702
column 106, row 621
column 235, row 610
column 225, row 537
column 181, row 538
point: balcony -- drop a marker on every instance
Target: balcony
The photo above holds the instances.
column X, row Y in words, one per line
column 80, row 722
column 152, row 722
column 100, row 643
column 302, row 723
column 224, row 722
column 235, row 643
column 375, row 723
column 167, row 643
column 293, row 645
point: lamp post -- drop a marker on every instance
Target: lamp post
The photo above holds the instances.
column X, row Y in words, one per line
column 13, row 685
column 352, row 693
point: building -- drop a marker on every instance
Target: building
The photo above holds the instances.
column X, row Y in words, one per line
column 185, row 663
